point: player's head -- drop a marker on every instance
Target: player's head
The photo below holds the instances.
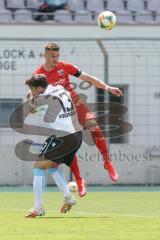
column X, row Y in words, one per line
column 37, row 83
column 51, row 54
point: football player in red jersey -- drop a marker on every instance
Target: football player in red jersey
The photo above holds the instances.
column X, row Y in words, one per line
column 57, row 73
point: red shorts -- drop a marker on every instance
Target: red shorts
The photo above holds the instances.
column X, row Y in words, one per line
column 83, row 111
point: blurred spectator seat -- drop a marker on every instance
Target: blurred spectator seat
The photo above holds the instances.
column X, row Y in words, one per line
column 2, row 5
column 5, row 16
column 16, row 4
column 135, row 5
column 63, row 16
column 76, row 5
column 33, row 4
column 144, row 17
column 95, row 5
column 153, row 5
column 124, row 17
column 158, row 17
column 23, row 16
column 114, row 5
column 83, row 16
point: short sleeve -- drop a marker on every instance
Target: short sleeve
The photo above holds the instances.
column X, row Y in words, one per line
column 72, row 69
column 39, row 70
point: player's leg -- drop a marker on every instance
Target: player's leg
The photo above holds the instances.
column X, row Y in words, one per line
column 60, row 180
column 38, row 189
column 74, row 166
column 66, row 152
column 68, row 159
column 47, row 152
column 61, row 183
column 81, row 183
column 101, row 144
column 87, row 119
column 57, row 149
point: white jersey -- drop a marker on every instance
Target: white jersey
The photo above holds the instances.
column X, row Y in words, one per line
column 59, row 110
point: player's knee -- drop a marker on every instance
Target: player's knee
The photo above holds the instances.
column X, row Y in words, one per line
column 39, row 164
column 91, row 124
column 36, row 165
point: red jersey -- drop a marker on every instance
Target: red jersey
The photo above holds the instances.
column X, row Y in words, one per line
column 59, row 75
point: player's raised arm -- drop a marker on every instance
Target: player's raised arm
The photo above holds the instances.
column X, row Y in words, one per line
column 100, row 84
column 31, row 102
column 31, row 105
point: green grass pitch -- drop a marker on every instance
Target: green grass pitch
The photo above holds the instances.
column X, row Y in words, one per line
column 108, row 215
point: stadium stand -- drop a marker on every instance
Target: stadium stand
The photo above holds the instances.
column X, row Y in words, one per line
column 23, row 15
column 144, row 17
column 33, row 5
column 83, row 16
column 116, row 6
column 76, row 5
column 157, row 17
column 2, row 4
column 124, row 17
column 153, row 5
column 63, row 16
column 15, row 4
column 5, row 16
column 95, row 5
column 84, row 11
column 135, row 5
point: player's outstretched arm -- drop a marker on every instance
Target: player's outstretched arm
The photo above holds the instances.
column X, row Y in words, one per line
column 100, row 84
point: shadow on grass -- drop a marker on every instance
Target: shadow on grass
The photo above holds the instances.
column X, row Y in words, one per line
column 53, row 217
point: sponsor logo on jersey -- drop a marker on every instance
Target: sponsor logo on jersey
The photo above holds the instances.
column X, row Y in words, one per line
column 68, row 114
column 61, row 72
column 53, row 144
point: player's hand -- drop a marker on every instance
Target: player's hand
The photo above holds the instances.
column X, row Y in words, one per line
column 31, row 102
column 32, row 109
column 29, row 95
column 115, row 91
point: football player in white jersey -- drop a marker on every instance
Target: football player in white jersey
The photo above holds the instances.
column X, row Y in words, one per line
column 61, row 146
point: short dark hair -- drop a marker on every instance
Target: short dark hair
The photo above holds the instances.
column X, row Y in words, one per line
column 37, row 80
column 52, row 46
